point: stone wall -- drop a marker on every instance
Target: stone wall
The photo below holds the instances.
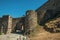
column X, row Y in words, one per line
column 9, row 24
column 18, row 24
column 31, row 20
column 9, row 29
column 0, row 25
column 5, row 24
column 48, row 11
column 14, row 23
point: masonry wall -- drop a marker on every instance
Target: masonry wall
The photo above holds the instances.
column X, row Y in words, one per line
column 6, row 24
column 14, row 23
column 0, row 24
column 31, row 20
column 9, row 24
column 9, row 29
column 18, row 24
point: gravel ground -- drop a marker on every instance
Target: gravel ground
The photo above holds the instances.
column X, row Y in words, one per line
column 12, row 37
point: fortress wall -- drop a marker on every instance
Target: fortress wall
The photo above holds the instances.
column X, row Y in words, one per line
column 14, row 22
column 0, row 24
column 18, row 23
column 6, row 24
column 31, row 19
column 9, row 25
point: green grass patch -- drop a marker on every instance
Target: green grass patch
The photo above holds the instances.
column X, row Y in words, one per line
column 0, row 33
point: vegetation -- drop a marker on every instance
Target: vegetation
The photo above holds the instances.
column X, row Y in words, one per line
column 0, row 33
column 35, row 30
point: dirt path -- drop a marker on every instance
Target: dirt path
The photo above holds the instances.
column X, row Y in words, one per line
column 46, row 36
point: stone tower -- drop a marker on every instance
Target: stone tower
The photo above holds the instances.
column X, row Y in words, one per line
column 9, row 24
column 6, row 24
column 31, row 19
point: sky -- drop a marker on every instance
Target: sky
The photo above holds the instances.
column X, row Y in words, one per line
column 18, row 8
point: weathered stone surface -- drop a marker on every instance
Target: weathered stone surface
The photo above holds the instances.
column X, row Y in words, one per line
column 31, row 19
column 48, row 11
column 53, row 6
column 6, row 24
column 54, row 25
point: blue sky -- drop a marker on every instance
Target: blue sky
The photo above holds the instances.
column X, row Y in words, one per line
column 18, row 8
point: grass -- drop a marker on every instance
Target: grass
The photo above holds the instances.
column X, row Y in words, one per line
column 0, row 33
column 35, row 31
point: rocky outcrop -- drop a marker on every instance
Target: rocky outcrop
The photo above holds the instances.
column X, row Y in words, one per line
column 48, row 10
column 50, row 14
column 53, row 25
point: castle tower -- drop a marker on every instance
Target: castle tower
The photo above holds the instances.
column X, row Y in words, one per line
column 7, row 24
column 31, row 19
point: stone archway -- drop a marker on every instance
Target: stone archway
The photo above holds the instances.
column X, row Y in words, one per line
column 19, row 28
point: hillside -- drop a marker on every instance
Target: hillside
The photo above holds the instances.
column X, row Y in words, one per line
column 50, row 31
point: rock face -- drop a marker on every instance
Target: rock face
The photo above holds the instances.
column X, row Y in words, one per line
column 53, row 25
column 50, row 14
column 49, row 10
